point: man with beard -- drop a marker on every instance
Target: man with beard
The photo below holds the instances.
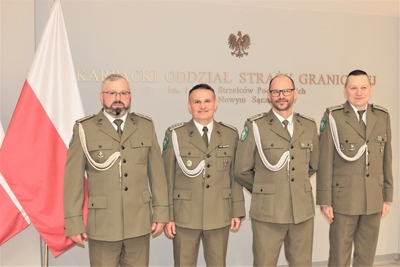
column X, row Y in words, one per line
column 127, row 188
column 277, row 154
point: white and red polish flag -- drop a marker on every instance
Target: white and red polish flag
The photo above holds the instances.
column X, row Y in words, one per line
column 35, row 146
column 13, row 217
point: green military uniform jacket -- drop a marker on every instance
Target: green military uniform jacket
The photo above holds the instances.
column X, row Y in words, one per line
column 353, row 188
column 209, row 200
column 283, row 196
column 118, row 208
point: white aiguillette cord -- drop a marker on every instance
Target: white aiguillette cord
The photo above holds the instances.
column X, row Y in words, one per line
column 100, row 166
column 189, row 173
column 285, row 158
column 335, row 137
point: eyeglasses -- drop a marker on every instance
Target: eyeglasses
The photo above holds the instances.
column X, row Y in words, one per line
column 285, row 92
column 114, row 94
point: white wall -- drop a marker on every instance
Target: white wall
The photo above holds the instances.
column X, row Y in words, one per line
column 310, row 38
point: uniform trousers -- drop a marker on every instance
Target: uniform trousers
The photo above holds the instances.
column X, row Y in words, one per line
column 187, row 241
column 269, row 237
column 363, row 230
column 127, row 252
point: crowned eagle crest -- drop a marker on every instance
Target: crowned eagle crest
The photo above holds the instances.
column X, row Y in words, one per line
column 239, row 44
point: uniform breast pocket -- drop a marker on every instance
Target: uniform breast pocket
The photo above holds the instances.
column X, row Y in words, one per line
column 306, row 147
column 140, row 149
column 349, row 144
column 380, row 143
column 273, row 149
column 224, row 159
column 190, row 157
column 100, row 150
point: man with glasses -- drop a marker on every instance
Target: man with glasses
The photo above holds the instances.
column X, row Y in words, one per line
column 354, row 179
column 127, row 188
column 277, row 153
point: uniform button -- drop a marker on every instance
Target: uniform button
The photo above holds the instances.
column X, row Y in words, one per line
column 272, row 145
column 125, row 174
column 291, row 147
column 122, row 147
column 261, row 190
column 292, row 158
column 208, row 165
column 367, row 174
column 207, row 186
column 337, row 184
column 208, row 155
column 208, row 176
column 293, row 169
column 179, row 195
column 367, row 141
column 126, row 188
column 124, row 161
column 100, row 146
column 368, row 164
column 292, row 179
column 92, row 204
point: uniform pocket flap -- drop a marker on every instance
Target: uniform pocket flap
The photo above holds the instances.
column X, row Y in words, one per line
column 99, row 145
column 347, row 138
column 271, row 143
column 223, row 152
column 140, row 142
column 341, row 181
column 380, row 138
column 146, row 197
column 183, row 194
column 189, row 152
column 226, row 193
column 264, row 188
column 306, row 143
column 97, row 202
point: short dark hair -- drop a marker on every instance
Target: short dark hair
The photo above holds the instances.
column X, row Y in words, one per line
column 356, row 73
column 280, row 75
column 201, row 86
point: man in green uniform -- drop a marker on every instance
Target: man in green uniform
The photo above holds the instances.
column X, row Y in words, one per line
column 205, row 201
column 354, row 179
column 127, row 188
column 277, row 154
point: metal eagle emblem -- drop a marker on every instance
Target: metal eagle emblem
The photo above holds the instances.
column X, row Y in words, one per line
column 239, row 44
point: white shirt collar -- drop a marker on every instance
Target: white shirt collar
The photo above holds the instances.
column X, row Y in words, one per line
column 112, row 119
column 200, row 128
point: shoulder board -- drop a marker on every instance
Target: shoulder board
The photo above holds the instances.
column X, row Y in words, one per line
column 176, row 126
column 330, row 109
column 256, row 117
column 305, row 117
column 374, row 106
column 142, row 116
column 229, row 126
column 85, row 118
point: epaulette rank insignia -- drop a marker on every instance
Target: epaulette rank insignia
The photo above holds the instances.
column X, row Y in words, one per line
column 142, row 116
column 374, row 106
column 176, row 126
column 256, row 117
column 229, row 126
column 330, row 109
column 305, row 117
column 85, row 118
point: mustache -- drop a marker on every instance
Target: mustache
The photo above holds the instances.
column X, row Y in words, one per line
column 118, row 102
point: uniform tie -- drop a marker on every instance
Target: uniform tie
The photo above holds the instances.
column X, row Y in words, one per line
column 286, row 122
column 118, row 122
column 205, row 137
column 361, row 121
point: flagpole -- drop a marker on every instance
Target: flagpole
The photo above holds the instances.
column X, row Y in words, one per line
column 46, row 256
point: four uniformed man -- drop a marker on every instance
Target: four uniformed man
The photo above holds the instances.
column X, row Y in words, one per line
column 354, row 179
column 205, row 200
column 127, row 188
column 276, row 156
